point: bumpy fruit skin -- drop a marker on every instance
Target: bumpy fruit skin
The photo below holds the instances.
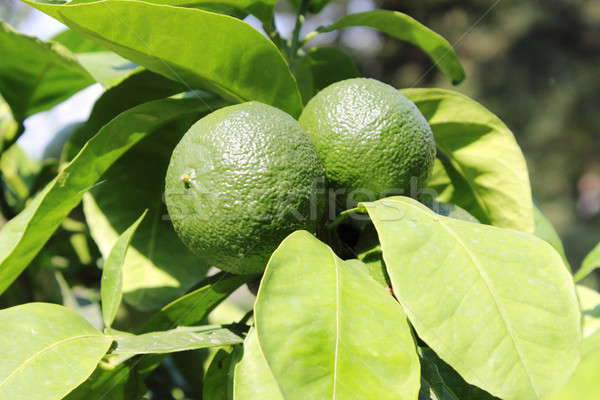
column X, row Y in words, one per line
column 372, row 140
column 239, row 181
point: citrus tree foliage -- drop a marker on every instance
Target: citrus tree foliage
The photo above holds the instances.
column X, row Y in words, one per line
column 459, row 292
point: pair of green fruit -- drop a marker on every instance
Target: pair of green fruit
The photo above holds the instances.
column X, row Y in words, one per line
column 246, row 176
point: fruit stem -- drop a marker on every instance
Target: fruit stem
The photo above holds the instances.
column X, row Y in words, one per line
column 295, row 41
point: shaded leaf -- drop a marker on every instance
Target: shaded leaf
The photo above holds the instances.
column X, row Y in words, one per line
column 406, row 28
column 139, row 87
column 111, row 290
column 253, row 378
column 485, row 154
column 219, row 53
column 496, row 304
column 22, row 237
column 194, row 307
column 589, row 299
column 330, row 65
column 217, row 380
column 179, row 339
column 449, row 383
column 337, row 352
column 589, row 264
column 47, row 350
column 36, row 75
column 19, row 173
column 545, row 231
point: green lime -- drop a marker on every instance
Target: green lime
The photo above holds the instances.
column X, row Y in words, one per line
column 373, row 141
column 239, row 181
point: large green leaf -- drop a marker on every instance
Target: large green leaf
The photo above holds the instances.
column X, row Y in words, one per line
column 35, row 75
column 498, row 305
column 159, row 267
column 589, row 264
column 329, row 65
column 545, row 231
column 76, row 42
column 23, row 236
column 406, row 28
column 216, row 52
column 485, row 154
column 47, row 350
column 329, row 331
column 111, row 289
column 179, row 339
column 253, row 378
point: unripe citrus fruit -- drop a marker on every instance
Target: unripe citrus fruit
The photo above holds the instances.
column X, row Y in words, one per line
column 373, row 141
column 239, row 181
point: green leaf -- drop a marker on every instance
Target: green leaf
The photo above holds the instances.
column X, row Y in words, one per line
column 314, row 6
column 195, row 306
column 219, row 53
column 446, row 382
column 313, row 309
column 22, row 237
column 484, row 153
column 76, row 42
column 545, row 231
column 584, row 382
column 47, row 350
column 406, row 28
column 589, row 264
column 36, row 75
column 19, row 173
column 330, row 65
column 139, row 87
column 179, row 339
column 124, row 382
column 106, row 67
column 111, row 289
column 498, row 305
column 158, row 267
column 589, row 299
column 9, row 128
column 304, row 78
column 253, row 378
column 217, row 380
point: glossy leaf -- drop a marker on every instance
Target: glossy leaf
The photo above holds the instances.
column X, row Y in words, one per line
column 219, row 53
column 111, row 290
column 106, row 67
column 22, row 237
column 406, row 28
column 330, row 65
column 484, row 153
column 589, row 264
column 76, row 42
column 158, row 267
column 179, row 339
column 497, row 305
column 253, row 378
column 217, row 380
column 328, row 330
column 47, row 350
column 545, row 231
column 589, row 299
column 194, row 307
column 36, row 75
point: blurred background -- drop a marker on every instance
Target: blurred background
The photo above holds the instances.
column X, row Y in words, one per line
column 535, row 63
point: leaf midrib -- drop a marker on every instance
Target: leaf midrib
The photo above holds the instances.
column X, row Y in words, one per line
column 488, row 285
